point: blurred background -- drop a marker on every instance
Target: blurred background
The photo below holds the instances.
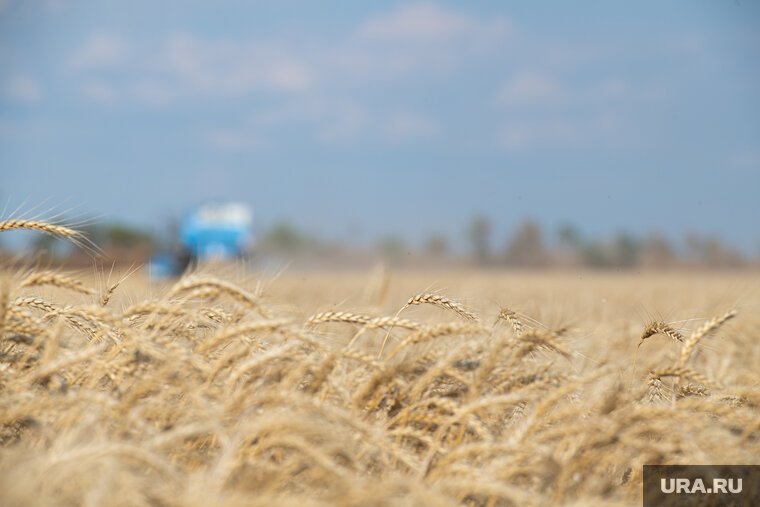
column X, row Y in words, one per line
column 330, row 134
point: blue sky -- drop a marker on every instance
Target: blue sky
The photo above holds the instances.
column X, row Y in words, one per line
column 361, row 119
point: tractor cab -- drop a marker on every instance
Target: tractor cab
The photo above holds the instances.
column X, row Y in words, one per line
column 217, row 231
column 210, row 232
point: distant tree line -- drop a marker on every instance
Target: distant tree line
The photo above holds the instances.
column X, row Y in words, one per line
column 528, row 246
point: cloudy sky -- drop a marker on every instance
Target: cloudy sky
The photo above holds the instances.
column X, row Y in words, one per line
column 370, row 118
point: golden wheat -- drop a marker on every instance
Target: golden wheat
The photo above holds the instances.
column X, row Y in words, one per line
column 701, row 332
column 36, row 225
column 213, row 393
column 435, row 300
column 36, row 279
column 441, row 302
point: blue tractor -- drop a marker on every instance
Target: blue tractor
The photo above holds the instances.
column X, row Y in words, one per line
column 217, row 231
column 210, row 232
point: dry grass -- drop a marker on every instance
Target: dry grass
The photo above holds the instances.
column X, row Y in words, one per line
column 213, row 392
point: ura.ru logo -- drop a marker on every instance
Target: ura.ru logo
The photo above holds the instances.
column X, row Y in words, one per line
column 698, row 486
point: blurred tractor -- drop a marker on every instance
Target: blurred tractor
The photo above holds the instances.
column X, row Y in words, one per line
column 217, row 232
column 210, row 232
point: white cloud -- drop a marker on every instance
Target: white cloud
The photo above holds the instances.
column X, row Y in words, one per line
column 325, row 121
column 422, row 21
column 418, row 38
column 186, row 67
column 404, row 125
column 516, row 136
column 528, row 134
column 100, row 50
column 548, row 113
column 99, row 91
column 569, row 131
column 232, row 68
column 329, row 120
column 414, row 39
column 23, row 88
column 360, row 63
column 294, row 111
column 530, row 87
column 421, row 39
column 289, row 75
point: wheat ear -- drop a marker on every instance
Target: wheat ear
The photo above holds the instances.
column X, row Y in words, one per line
column 351, row 318
column 212, row 286
column 441, row 302
column 511, row 317
column 702, row 331
column 56, row 280
column 37, row 225
column 436, row 300
column 651, row 330
column 60, row 231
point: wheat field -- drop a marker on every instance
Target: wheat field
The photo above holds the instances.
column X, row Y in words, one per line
column 232, row 387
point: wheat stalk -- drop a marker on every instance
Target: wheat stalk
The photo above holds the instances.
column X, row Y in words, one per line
column 702, row 331
column 651, row 330
column 146, row 308
column 4, row 297
column 546, row 340
column 436, row 330
column 380, row 322
column 680, row 372
column 56, row 280
column 248, row 328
